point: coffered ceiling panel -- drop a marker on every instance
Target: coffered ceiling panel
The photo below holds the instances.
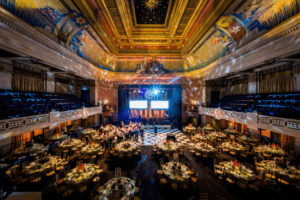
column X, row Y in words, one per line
column 149, row 27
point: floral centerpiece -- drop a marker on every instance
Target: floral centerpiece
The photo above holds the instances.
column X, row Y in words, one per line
column 92, row 143
column 126, row 145
column 273, row 146
column 81, row 167
column 235, row 164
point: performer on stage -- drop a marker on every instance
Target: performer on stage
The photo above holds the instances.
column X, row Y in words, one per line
column 142, row 130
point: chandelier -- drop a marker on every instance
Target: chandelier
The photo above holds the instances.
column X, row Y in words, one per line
column 151, row 4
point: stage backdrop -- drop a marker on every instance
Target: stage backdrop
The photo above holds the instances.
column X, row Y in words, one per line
column 171, row 93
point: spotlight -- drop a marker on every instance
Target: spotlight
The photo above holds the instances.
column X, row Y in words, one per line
column 156, row 91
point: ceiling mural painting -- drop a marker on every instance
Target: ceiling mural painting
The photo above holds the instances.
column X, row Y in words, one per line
column 242, row 23
column 61, row 19
column 153, row 36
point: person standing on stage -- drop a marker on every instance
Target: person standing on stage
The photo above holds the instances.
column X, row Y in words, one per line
column 130, row 131
column 119, row 134
column 122, row 124
column 126, row 132
column 136, row 131
column 142, row 130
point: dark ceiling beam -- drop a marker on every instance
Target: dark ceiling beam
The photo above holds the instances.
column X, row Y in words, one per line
column 34, row 65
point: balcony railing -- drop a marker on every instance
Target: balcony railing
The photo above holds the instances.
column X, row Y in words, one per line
column 16, row 126
column 255, row 121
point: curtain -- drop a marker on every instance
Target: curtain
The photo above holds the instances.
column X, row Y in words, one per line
column 63, row 88
column 18, row 140
column 239, row 89
column 27, row 84
column 277, row 85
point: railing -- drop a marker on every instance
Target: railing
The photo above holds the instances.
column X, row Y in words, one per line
column 255, row 121
column 16, row 126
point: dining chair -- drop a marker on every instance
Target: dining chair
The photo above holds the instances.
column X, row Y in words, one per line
column 284, row 179
column 182, row 160
column 174, row 185
column 59, row 186
column 91, row 161
column 242, row 183
column 124, row 173
column 203, row 196
column 58, row 154
column 170, row 158
column 248, row 165
column 161, row 162
column 110, row 175
column 220, row 160
column 134, row 176
column 66, row 169
column 24, row 164
column 185, row 185
column 140, row 195
column 138, row 187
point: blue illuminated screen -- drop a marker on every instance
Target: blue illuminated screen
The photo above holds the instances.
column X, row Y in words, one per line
column 159, row 104
column 138, row 104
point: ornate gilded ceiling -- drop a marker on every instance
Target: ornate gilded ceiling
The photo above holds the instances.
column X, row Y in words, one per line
column 134, row 28
column 167, row 36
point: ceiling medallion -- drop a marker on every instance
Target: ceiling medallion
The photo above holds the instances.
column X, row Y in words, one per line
column 151, row 4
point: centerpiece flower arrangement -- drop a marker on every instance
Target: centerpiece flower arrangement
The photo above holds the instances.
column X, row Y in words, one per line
column 127, row 145
column 235, row 164
column 273, row 146
column 91, row 143
column 81, row 167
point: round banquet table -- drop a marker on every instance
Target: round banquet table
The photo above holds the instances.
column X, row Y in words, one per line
column 202, row 147
column 280, row 168
column 232, row 146
column 88, row 131
column 91, row 148
column 170, row 147
column 204, row 137
column 232, row 131
column 176, row 171
column 238, row 172
column 54, row 161
column 98, row 138
column 58, row 137
column 266, row 148
column 24, row 151
column 123, row 185
column 208, row 129
column 248, row 139
column 69, row 144
column 126, row 147
column 77, row 176
column 218, row 135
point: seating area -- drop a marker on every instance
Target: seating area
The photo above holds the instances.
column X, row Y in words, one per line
column 81, row 163
column 286, row 105
column 238, row 103
column 19, row 104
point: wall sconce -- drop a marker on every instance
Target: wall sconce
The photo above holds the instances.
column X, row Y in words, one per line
column 105, row 102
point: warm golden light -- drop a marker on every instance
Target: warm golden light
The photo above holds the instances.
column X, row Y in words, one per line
column 151, row 4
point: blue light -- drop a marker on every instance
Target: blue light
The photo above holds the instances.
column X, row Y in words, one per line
column 156, row 91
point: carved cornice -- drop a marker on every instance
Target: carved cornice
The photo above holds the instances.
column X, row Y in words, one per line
column 6, row 67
